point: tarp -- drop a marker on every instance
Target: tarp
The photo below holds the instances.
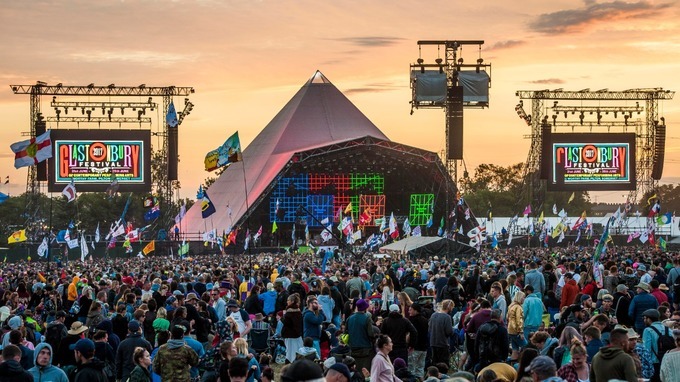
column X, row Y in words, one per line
column 426, row 246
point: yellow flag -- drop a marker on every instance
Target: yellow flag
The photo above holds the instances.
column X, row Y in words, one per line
column 649, row 200
column 274, row 227
column 348, row 209
column 571, row 198
column 17, row 236
column 149, row 247
column 540, row 218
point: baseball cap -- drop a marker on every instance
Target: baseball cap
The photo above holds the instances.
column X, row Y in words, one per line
column 585, row 297
column 342, row 369
column 232, row 304
column 133, row 326
column 394, row 308
column 621, row 288
column 83, row 345
column 542, row 364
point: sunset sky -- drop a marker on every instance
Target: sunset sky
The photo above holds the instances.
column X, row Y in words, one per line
column 247, row 58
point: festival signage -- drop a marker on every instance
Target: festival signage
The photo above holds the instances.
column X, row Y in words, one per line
column 597, row 162
column 92, row 158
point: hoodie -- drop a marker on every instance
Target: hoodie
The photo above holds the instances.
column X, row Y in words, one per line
column 550, row 344
column 11, row 370
column 47, row 373
column 612, row 363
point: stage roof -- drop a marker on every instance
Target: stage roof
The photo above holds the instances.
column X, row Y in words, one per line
column 318, row 115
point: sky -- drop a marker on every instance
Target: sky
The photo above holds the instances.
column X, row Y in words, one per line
column 247, row 58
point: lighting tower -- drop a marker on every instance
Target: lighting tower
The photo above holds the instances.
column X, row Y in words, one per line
column 604, row 111
column 451, row 84
column 164, row 186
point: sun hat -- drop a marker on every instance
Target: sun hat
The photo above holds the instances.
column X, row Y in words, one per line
column 77, row 327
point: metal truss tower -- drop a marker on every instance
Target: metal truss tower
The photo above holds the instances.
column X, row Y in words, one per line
column 163, row 186
column 592, row 112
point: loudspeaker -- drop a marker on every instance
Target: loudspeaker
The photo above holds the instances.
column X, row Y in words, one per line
column 546, row 152
column 454, row 122
column 172, row 153
column 659, row 151
column 41, row 168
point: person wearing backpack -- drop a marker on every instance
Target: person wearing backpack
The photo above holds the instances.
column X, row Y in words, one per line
column 657, row 338
column 673, row 281
column 491, row 341
column 56, row 330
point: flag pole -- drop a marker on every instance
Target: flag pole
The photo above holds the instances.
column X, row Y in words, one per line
column 249, row 254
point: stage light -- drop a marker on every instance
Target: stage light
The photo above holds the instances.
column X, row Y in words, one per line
column 89, row 114
column 54, row 99
column 420, row 60
column 58, row 112
column 66, row 110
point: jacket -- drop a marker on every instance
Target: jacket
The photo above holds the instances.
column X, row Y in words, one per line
column 11, row 371
column 396, row 326
column 650, row 338
column 569, row 292
column 360, row 330
column 533, row 310
column 92, row 371
column 173, row 361
column 124, row 364
column 638, row 305
column 47, row 373
column 420, row 323
column 441, row 328
column 292, row 323
column 140, row 374
column 536, row 280
column 612, row 363
column 312, row 323
column 515, row 319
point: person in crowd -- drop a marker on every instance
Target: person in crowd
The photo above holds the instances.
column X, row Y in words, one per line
column 142, row 360
column 382, row 369
column 401, row 331
column 516, row 325
column 642, row 302
column 43, row 369
column 670, row 365
column 532, row 309
column 440, row 330
column 361, row 335
column 10, row 368
column 124, row 354
column 543, row 369
column 174, row 360
column 292, row 327
column 578, row 368
column 89, row 368
column 612, row 362
column 491, row 341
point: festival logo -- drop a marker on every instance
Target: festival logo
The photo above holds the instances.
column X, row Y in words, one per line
column 96, row 162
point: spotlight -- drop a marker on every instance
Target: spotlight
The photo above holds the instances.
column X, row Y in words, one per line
column 480, row 61
column 438, row 61
column 460, row 61
column 420, row 60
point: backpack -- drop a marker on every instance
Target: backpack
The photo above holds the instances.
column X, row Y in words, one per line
column 488, row 350
column 53, row 336
column 676, row 282
column 664, row 343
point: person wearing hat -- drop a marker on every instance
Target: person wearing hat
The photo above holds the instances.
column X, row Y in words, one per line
column 302, row 370
column 89, row 368
column 241, row 318
column 621, row 304
column 398, row 327
column 361, row 334
column 338, row 372
column 126, row 349
column 642, row 302
column 282, row 296
column 613, row 362
column 543, row 368
column 645, row 277
column 651, row 335
column 64, row 355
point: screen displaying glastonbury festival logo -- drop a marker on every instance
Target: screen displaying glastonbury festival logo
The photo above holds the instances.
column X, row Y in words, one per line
column 592, row 162
column 91, row 157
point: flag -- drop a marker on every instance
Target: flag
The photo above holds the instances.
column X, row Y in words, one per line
column 7, row 179
column 43, row 248
column 554, row 209
column 207, row 207
column 356, row 236
column 602, row 244
column 133, row 235
column 257, row 234
column 17, row 237
column 406, row 227
column 112, row 243
column 276, row 210
column 662, row 243
column 116, row 230
column 429, row 223
column 527, row 210
column 83, row 247
column 152, row 214
column 149, row 247
column 580, row 221
column 326, row 234
column 348, row 209
column 656, row 208
column 649, row 200
column 540, row 218
column 365, row 218
column 308, row 236
column 32, row 151
column 416, row 231
column 494, row 241
column 183, row 249
column 70, row 192
column 3, row 197
column 274, row 227
column 571, row 198
column 127, row 245
column 149, row 202
column 97, row 236
column 394, row 229
column 228, row 153
column 666, row 218
column 171, row 117
column 72, row 243
column 292, row 234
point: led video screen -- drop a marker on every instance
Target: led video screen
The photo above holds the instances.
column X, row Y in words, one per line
column 93, row 158
column 591, row 161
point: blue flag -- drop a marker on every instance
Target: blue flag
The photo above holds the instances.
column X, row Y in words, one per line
column 207, row 207
column 171, row 117
column 3, row 197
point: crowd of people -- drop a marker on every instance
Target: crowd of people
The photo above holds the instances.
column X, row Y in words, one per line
column 519, row 314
